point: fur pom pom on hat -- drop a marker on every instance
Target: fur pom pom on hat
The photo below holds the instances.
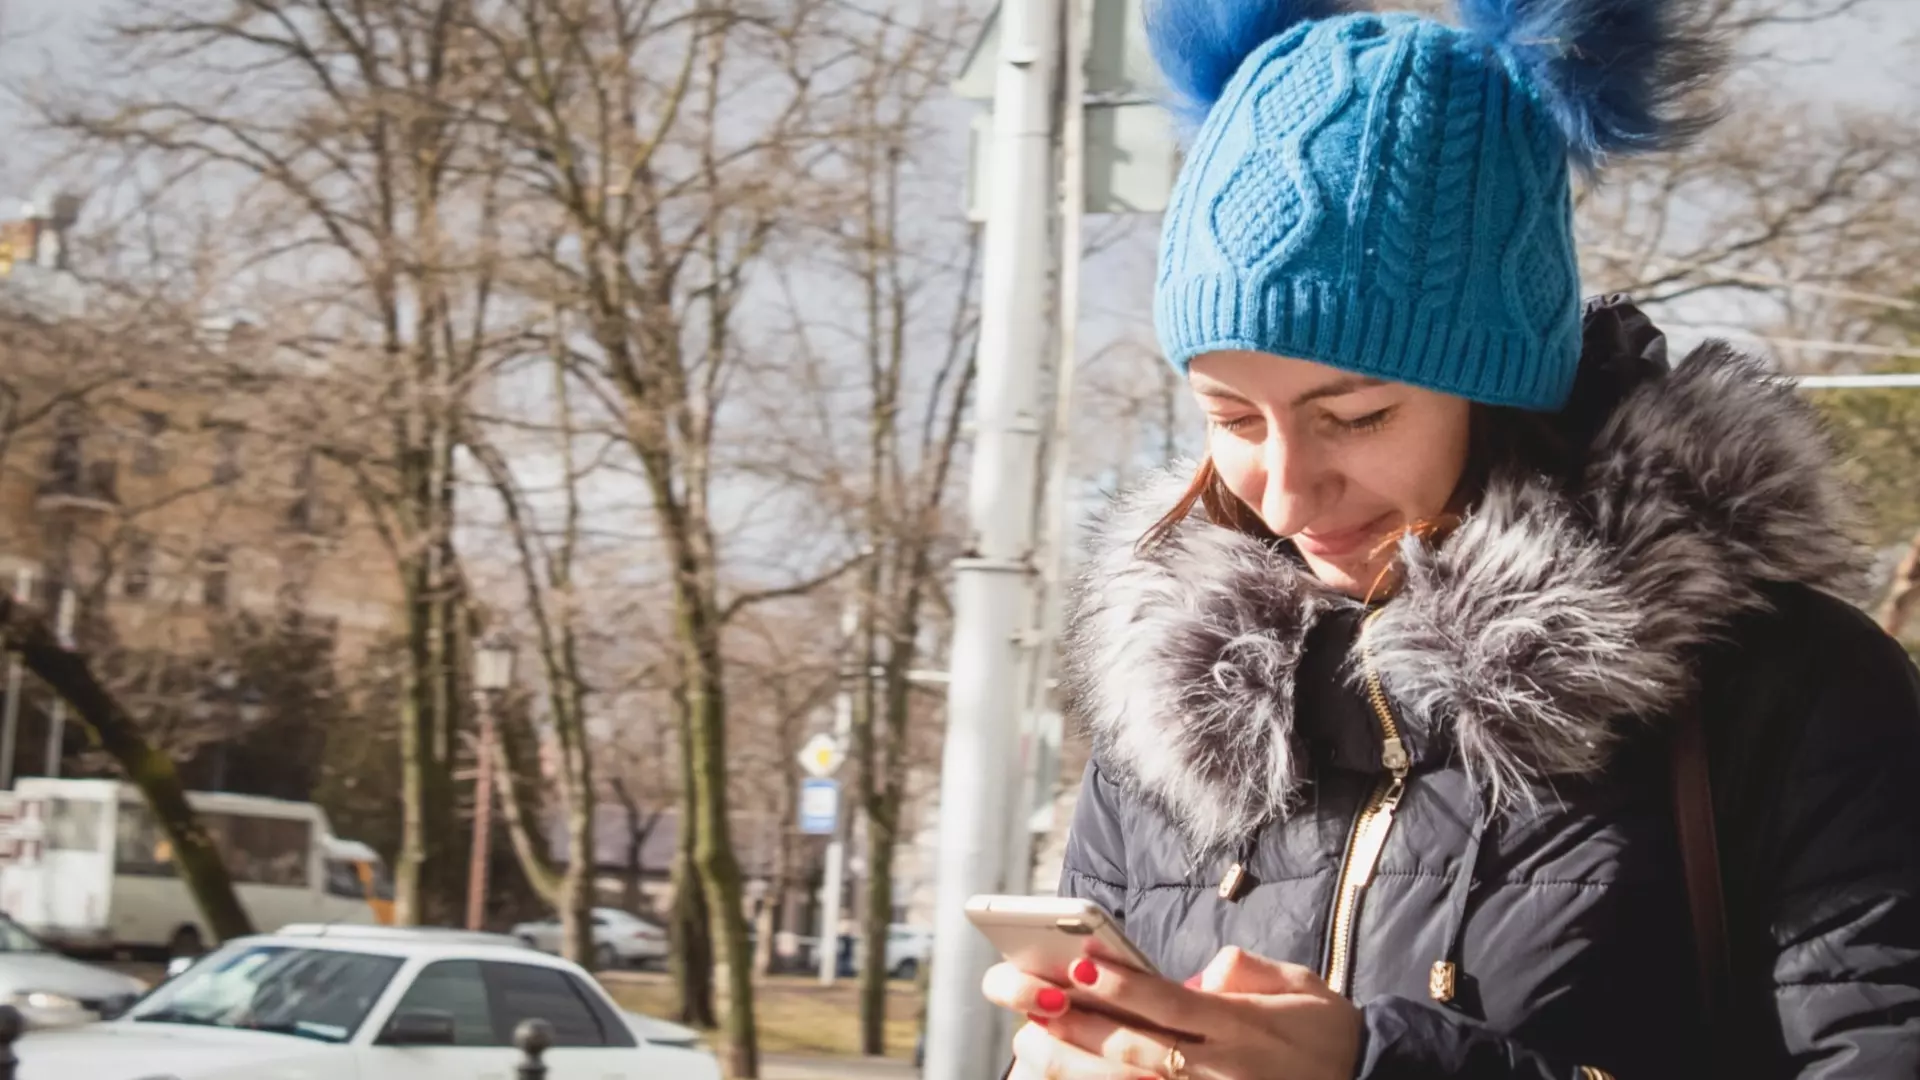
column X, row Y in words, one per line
column 1391, row 195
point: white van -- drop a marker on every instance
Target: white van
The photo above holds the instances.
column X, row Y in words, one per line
column 93, row 870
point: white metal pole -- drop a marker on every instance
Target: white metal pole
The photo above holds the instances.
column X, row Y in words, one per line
column 1857, row 382
column 57, row 720
column 10, row 724
column 1049, row 593
column 834, row 879
column 992, row 598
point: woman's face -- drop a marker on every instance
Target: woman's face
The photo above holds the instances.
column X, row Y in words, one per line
column 1330, row 460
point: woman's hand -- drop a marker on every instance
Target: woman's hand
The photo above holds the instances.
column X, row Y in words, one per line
column 1251, row 1018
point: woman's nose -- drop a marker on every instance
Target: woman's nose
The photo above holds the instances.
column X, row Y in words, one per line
column 1291, row 495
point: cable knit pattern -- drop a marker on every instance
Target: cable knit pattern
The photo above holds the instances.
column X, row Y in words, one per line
column 1373, row 192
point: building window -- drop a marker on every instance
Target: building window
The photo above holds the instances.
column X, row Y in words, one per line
column 147, row 460
column 226, row 468
column 137, row 578
column 304, row 516
column 64, row 462
column 216, row 569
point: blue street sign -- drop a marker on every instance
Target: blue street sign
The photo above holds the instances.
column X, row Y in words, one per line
column 819, row 806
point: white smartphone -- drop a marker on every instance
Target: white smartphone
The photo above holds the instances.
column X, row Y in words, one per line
column 1045, row 935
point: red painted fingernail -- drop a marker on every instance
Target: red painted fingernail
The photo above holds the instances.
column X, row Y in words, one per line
column 1084, row 972
column 1038, row 1020
column 1051, row 999
column 1193, row 983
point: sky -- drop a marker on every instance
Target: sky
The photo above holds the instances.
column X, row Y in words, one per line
column 1860, row 59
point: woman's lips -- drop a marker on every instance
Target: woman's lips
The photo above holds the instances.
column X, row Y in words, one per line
column 1329, row 545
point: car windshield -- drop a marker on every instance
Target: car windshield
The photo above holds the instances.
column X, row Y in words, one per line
column 318, row 994
column 15, row 940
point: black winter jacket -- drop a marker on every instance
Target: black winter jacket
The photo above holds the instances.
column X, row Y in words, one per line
column 1531, row 664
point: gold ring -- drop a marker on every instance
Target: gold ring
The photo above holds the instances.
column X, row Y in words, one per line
column 1175, row 1067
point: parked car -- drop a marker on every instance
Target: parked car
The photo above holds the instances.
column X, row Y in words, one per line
column 51, row 990
column 908, row 949
column 620, row 939
column 373, row 1003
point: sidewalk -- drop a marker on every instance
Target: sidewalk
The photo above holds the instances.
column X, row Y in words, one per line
column 787, row 1067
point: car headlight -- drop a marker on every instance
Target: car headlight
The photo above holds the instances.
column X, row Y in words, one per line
column 44, row 999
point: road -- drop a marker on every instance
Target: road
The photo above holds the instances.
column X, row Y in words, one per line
column 787, row 1067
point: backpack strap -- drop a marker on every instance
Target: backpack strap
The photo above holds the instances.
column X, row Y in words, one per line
column 1700, row 863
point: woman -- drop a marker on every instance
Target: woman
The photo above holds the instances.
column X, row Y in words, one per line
column 1391, row 700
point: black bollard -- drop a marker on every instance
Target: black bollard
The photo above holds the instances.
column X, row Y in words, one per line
column 531, row 1036
column 12, row 1025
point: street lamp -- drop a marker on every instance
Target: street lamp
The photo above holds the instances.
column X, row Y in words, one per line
column 493, row 663
column 492, row 675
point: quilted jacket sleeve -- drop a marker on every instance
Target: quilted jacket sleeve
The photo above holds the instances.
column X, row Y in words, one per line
column 1095, row 865
column 1844, row 910
column 1839, row 892
column 1401, row 1039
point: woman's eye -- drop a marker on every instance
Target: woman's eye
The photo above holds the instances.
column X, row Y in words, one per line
column 1372, row 421
column 1237, row 423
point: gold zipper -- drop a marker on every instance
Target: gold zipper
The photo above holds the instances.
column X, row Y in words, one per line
column 1369, row 836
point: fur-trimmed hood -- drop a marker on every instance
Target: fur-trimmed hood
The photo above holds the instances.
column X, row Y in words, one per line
column 1544, row 630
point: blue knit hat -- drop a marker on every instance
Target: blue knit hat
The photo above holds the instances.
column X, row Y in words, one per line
column 1391, row 195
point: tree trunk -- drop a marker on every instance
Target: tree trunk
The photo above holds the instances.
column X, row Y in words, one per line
column 766, row 926
column 426, row 885
column 640, row 826
column 877, row 919
column 1903, row 593
column 576, row 886
column 719, row 869
column 576, row 919
column 692, row 958
column 637, row 830
column 413, row 799
column 883, row 823
column 110, row 729
column 519, row 777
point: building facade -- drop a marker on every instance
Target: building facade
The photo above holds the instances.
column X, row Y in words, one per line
column 144, row 497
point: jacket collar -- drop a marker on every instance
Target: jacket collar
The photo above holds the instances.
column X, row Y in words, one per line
column 1557, row 620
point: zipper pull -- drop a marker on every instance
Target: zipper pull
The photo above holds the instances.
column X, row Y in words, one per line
column 1393, row 754
column 1231, row 883
column 1368, row 846
column 1391, row 800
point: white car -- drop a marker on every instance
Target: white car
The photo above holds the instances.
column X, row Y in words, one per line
column 51, row 990
column 370, row 1003
column 908, row 950
column 619, row 939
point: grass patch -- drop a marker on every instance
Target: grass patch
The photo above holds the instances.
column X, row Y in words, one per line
column 796, row 1014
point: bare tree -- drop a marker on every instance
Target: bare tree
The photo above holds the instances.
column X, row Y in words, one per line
column 547, row 557
column 879, row 443
column 359, row 219
column 661, row 185
column 786, row 673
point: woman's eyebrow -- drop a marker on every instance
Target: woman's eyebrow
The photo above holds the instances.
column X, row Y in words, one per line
column 1206, row 387
column 1346, row 384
